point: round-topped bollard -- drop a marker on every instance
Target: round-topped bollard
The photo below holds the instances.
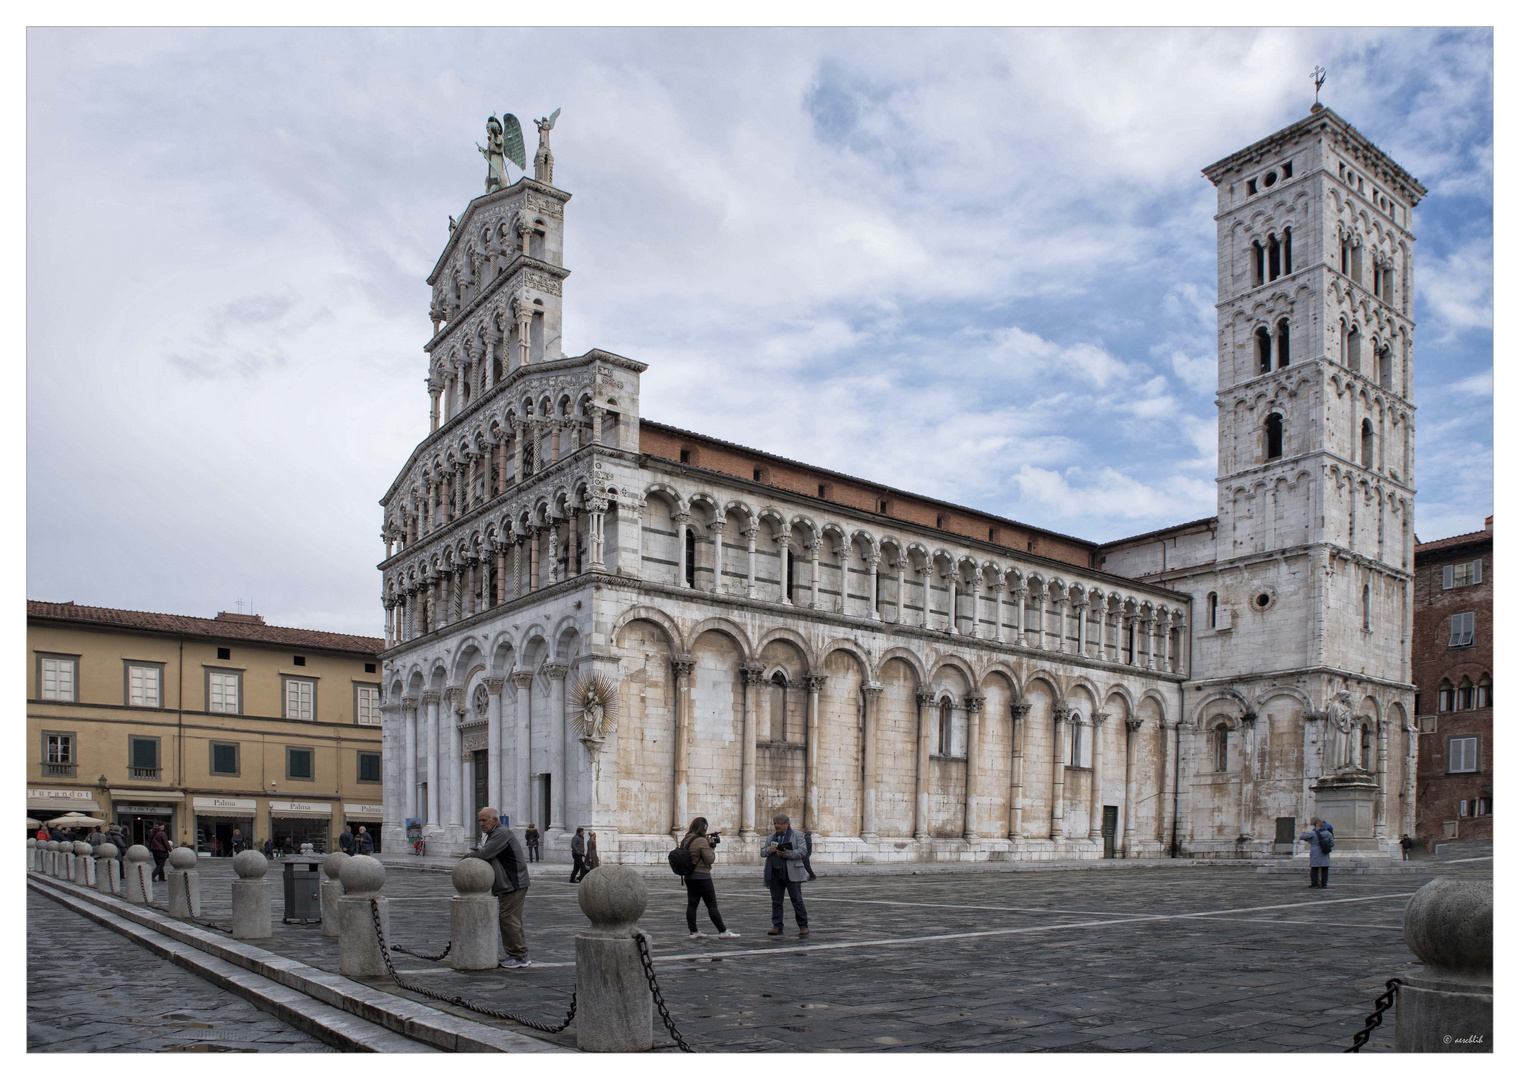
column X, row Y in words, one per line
column 33, row 863
column 250, row 897
column 1449, row 1006
column 474, row 926
column 615, row 1013
column 83, row 864
column 332, row 892
column 107, row 870
column 184, row 884
column 138, row 878
column 50, row 859
column 360, row 952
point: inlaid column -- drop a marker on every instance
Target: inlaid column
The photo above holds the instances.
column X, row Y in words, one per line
column 814, row 547
column 925, row 699
column 753, row 674
column 500, row 478
column 556, row 673
column 974, row 703
column 533, row 558
column 900, row 565
column 524, row 312
column 749, row 543
column 998, row 588
column 1166, row 819
column 454, row 755
column 872, row 694
column 596, row 524
column 496, row 786
column 1060, row 715
column 1082, row 631
column 499, row 594
column 1131, row 738
column 783, row 551
column 976, row 603
column 597, row 412
column 430, row 700
column 718, row 525
column 1062, row 602
column 572, row 543
column 1021, row 631
column 470, row 498
column 873, row 559
column 1151, row 626
column 522, row 745
column 952, row 616
column 433, row 392
column 814, row 684
column 517, row 454
column 1380, row 820
column 409, row 758
column 681, row 518
column 682, row 670
column 1247, row 772
column 1019, row 715
column 1095, row 804
column 553, row 531
column 1039, row 617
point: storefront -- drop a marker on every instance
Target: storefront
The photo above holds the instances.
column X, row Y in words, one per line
column 293, row 823
column 215, row 819
column 45, row 803
column 139, row 819
column 366, row 814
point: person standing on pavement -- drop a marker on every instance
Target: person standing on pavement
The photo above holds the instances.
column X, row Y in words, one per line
column 531, row 839
column 364, row 843
column 593, row 860
column 699, row 883
column 1407, row 843
column 783, row 852
column 158, row 845
column 807, row 857
column 96, row 837
column 1320, row 839
column 578, row 855
column 238, row 843
column 346, row 842
column 504, row 852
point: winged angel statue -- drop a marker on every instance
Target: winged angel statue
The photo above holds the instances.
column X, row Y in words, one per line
column 504, row 143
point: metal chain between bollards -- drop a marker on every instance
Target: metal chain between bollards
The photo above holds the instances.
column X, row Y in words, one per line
column 1380, row 1005
column 195, row 916
column 423, row 955
column 452, row 999
column 654, row 988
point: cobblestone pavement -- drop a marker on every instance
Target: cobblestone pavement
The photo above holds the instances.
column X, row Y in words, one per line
column 1150, row 958
column 90, row 989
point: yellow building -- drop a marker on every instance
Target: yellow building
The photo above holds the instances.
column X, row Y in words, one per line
column 202, row 725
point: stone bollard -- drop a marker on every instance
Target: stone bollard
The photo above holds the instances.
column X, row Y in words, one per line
column 474, row 929
column 332, row 892
column 615, row 1010
column 50, row 864
column 107, row 870
column 1448, row 1008
column 359, row 950
column 184, row 884
column 83, row 864
column 138, row 878
column 250, row 897
column 32, row 859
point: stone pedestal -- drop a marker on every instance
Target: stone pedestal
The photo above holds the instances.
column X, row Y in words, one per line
column 250, row 897
column 1347, row 799
column 474, row 928
column 184, row 884
column 1448, row 1008
column 107, row 870
column 615, row 1010
column 332, row 892
column 82, row 853
column 32, row 858
column 359, row 949
column 138, row 875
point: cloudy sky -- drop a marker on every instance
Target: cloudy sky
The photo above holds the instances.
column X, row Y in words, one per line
column 973, row 264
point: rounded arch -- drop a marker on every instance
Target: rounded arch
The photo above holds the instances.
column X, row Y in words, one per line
column 851, row 649
column 644, row 613
column 998, row 666
column 908, row 657
column 1237, row 705
column 721, row 625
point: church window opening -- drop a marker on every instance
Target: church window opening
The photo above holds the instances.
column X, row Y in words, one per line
column 1263, row 350
column 691, row 559
column 1385, row 368
column 1076, row 741
column 1287, row 251
column 1258, row 263
column 1274, row 258
column 685, row 455
column 1354, row 348
column 1269, row 179
column 1287, row 169
column 1250, row 187
column 1221, row 748
column 1282, row 343
column 778, row 707
column 1446, row 697
column 1366, row 607
column 823, row 491
column 1213, row 610
column 1356, row 264
column 944, row 728
column 1346, row 257
column 1484, row 697
column 1366, row 748
column 1388, row 285
column 883, row 506
column 992, row 534
column 791, row 572
column 1274, row 437
column 939, row 521
column 1366, row 443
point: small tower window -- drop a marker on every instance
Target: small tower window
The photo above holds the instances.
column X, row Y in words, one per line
column 1258, row 263
column 691, row 559
column 791, row 572
column 1346, row 257
column 1366, row 607
column 1385, row 368
column 1263, row 350
column 992, row 534
column 1221, row 748
column 1250, row 187
column 1274, row 427
column 1213, row 610
column 1366, row 443
column 1287, row 246
column 1282, row 343
column 944, row 728
column 1354, row 349
column 758, row 471
column 685, row 455
column 883, row 506
column 939, row 521
column 1274, row 257
column 1356, row 264
column 1076, row 740
column 823, row 491
column 1287, row 168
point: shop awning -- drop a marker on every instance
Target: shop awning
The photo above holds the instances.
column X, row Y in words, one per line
column 146, row 796
column 60, row 799
column 297, row 808
column 363, row 811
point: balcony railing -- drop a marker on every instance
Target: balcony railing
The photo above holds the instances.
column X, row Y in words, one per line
column 144, row 774
column 53, row 768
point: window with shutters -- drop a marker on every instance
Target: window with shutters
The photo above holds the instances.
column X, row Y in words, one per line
column 1446, row 697
column 1462, row 754
column 145, row 685
column 224, row 759
column 367, row 705
column 300, row 763
column 223, row 691
column 369, row 767
column 58, row 754
column 1465, row 693
column 1461, row 630
column 55, row 678
column 1463, row 573
column 300, row 699
column 142, row 757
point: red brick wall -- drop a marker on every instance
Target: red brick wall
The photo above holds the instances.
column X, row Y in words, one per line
column 1437, row 792
column 661, row 442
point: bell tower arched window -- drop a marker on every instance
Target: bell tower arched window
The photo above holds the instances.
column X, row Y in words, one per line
column 1366, row 607
column 1274, row 427
column 1354, row 348
column 1385, row 367
column 1263, row 350
column 691, row 559
column 1258, row 264
column 1366, row 443
column 944, row 728
column 1287, row 251
column 1282, row 343
column 1274, row 258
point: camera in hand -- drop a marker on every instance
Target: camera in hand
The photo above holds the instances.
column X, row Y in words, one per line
column 715, row 839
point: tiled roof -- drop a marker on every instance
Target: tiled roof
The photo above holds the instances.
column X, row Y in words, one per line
column 1455, row 541
column 233, row 627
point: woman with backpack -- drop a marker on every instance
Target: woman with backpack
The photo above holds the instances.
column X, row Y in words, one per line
column 1320, row 838
column 699, row 884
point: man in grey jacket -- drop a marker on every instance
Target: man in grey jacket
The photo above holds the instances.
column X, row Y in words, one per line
column 504, row 852
column 783, row 852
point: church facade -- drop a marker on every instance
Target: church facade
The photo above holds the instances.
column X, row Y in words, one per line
column 595, row 620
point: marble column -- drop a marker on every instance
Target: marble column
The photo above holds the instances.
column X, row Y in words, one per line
column 872, row 562
column 753, row 674
column 1095, row 803
column 1019, row 716
column 596, row 526
column 430, row 700
column 974, row 703
column 1131, row 738
column 1039, row 616
column 952, row 616
column 409, row 758
column 901, row 566
column 976, row 603
column 559, row 779
column 1058, row 774
column 749, row 542
column 813, row 549
column 1247, row 773
column 925, row 699
column 1167, row 818
column 814, row 684
column 1380, row 808
column 454, row 756
column 998, row 588
column 682, row 518
column 522, row 745
column 872, row 694
column 533, row 575
column 1082, row 631
column 1021, row 632
column 390, row 769
column 682, row 669
column 1062, row 602
column 496, row 787
column 718, row 525
column 783, row 550
column 1185, row 735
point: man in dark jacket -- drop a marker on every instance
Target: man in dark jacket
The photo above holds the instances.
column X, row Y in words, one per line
column 505, row 853
column 578, row 855
column 783, row 852
column 531, row 839
column 364, row 843
column 158, row 845
column 346, row 842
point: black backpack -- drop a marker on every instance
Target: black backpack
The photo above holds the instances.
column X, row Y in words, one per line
column 1326, row 841
column 680, row 861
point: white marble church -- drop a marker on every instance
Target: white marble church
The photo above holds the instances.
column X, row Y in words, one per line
column 597, row 620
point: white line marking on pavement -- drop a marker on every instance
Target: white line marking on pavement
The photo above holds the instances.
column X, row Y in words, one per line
column 1479, row 858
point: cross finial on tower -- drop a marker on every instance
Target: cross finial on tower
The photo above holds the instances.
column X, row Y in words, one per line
column 1319, row 80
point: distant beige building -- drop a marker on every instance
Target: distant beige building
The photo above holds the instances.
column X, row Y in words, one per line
column 201, row 725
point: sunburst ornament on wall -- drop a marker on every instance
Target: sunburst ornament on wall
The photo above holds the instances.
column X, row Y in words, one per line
column 593, row 706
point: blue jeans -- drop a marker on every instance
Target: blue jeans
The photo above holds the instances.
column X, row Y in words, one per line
column 794, row 890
